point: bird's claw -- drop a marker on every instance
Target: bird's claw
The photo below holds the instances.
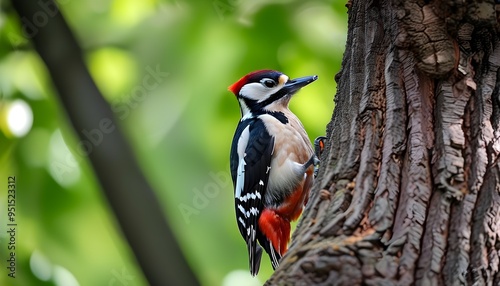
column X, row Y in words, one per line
column 319, row 146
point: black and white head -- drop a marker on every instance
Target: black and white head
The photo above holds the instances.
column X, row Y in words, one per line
column 257, row 90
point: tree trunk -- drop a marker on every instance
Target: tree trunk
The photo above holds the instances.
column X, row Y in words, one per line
column 409, row 187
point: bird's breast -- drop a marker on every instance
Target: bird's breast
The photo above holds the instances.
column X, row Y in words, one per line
column 291, row 150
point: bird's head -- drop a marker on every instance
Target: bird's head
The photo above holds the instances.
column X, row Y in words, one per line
column 258, row 90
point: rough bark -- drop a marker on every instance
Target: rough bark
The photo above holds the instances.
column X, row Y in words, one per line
column 409, row 187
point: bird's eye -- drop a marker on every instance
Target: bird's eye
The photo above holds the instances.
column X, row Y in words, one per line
column 269, row 83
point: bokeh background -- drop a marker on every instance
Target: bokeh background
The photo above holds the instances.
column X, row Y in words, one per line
column 164, row 67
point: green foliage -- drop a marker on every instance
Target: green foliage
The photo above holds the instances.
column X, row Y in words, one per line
column 164, row 67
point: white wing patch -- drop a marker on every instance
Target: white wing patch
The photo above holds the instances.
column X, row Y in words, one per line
column 242, row 145
column 240, row 180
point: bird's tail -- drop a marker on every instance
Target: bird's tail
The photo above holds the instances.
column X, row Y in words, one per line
column 254, row 260
column 274, row 254
column 254, row 252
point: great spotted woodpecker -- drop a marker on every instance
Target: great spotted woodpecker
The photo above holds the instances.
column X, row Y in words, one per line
column 272, row 163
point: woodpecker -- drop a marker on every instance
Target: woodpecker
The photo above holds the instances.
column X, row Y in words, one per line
column 272, row 163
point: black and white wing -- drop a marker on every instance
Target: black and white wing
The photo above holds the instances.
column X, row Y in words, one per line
column 250, row 165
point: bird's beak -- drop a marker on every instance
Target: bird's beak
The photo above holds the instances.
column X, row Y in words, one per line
column 294, row 85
